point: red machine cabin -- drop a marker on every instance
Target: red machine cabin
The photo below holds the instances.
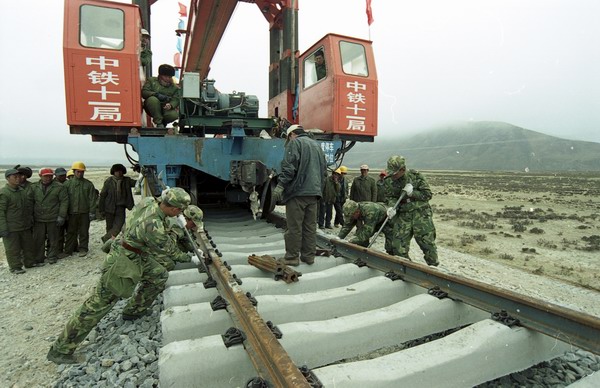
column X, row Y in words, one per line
column 344, row 101
column 102, row 64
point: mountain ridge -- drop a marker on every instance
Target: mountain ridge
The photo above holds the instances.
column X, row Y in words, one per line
column 482, row 145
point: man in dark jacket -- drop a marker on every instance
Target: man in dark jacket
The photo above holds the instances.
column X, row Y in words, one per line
column 115, row 197
column 300, row 186
column 51, row 203
column 161, row 97
column 15, row 223
column 341, row 197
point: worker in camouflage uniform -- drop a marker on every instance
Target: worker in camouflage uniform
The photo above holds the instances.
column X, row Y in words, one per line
column 83, row 198
column 413, row 217
column 330, row 192
column 15, row 223
column 161, row 97
column 130, row 264
column 364, row 188
column 51, row 203
column 300, row 187
column 366, row 216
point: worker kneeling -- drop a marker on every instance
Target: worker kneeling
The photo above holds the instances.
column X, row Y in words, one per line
column 161, row 97
column 366, row 216
column 129, row 265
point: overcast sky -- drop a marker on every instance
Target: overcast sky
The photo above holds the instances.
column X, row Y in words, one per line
column 531, row 63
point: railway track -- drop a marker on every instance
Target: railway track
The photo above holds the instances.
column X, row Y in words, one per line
column 355, row 318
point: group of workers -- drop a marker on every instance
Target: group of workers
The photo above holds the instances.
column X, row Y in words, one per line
column 401, row 196
column 47, row 219
column 140, row 257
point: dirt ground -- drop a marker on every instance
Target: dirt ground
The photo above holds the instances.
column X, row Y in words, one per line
column 537, row 234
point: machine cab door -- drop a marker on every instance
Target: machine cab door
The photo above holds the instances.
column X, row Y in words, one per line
column 101, row 47
column 338, row 88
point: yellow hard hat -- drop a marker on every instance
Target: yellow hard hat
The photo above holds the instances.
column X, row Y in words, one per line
column 338, row 171
column 343, row 169
column 78, row 166
column 70, row 173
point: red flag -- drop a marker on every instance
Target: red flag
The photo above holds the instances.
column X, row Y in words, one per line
column 369, row 12
column 182, row 10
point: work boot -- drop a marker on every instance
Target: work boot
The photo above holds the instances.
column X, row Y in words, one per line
column 51, row 260
column 293, row 262
column 35, row 265
column 308, row 261
column 61, row 358
column 62, row 255
column 17, row 271
column 82, row 253
column 328, row 226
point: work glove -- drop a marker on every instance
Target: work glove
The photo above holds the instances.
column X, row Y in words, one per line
column 278, row 194
column 4, row 233
column 162, row 97
column 60, row 221
column 408, row 189
column 181, row 221
column 92, row 216
column 391, row 212
column 195, row 259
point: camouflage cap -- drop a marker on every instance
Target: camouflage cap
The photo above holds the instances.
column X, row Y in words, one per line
column 349, row 208
column 176, row 197
column 195, row 214
column 395, row 164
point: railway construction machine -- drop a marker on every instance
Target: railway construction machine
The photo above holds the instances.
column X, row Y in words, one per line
column 220, row 151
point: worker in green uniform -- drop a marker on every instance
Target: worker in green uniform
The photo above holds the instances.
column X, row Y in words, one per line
column 366, row 216
column 414, row 216
column 50, row 205
column 128, row 265
column 83, row 198
column 330, row 192
column 161, row 97
column 364, row 188
column 15, row 223
column 380, row 188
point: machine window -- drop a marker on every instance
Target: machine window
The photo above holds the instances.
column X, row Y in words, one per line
column 101, row 27
column 315, row 68
column 354, row 59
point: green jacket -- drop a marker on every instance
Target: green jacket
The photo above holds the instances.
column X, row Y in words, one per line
column 420, row 196
column 331, row 190
column 16, row 209
column 109, row 198
column 363, row 189
column 49, row 205
column 372, row 214
column 152, row 86
column 82, row 196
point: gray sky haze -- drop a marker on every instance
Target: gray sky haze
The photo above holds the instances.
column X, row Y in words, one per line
column 530, row 63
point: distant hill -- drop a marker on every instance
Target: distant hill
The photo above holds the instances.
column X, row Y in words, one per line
column 480, row 145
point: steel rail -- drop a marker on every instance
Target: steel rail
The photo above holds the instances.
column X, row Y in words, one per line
column 266, row 353
column 573, row 327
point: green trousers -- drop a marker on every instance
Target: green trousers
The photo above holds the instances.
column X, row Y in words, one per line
column 78, row 233
column 41, row 231
column 18, row 248
column 159, row 116
column 101, row 301
column 300, row 235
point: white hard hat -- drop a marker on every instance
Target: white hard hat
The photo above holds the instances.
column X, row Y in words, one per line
column 145, row 32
